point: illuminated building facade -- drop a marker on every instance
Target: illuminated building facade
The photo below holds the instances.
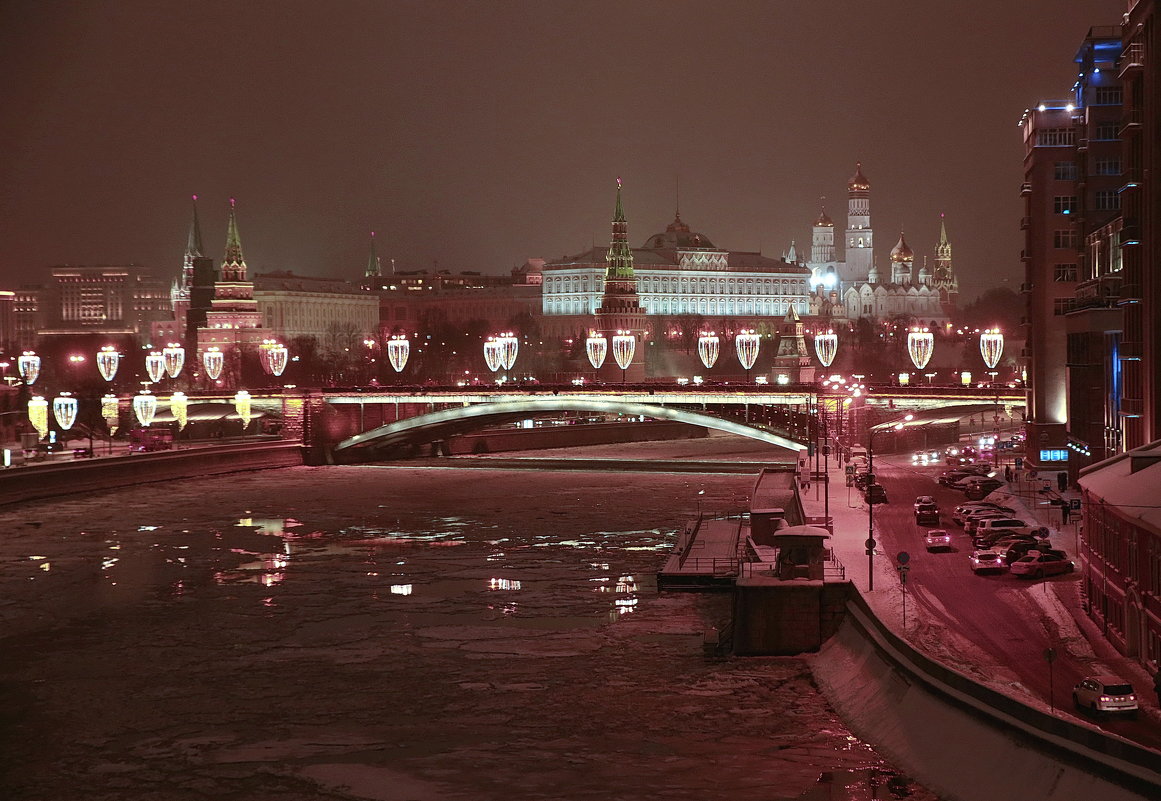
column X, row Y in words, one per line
column 854, row 287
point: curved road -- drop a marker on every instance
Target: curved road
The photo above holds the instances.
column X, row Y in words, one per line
column 996, row 612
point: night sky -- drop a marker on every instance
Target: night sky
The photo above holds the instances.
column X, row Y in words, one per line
column 472, row 136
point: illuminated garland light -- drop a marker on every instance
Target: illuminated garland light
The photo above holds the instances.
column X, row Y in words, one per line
column 155, row 365
column 279, row 356
column 492, row 356
column 597, row 347
column 398, row 351
column 107, row 362
column 29, row 366
column 709, row 347
column 110, row 410
column 145, row 407
column 920, row 344
column 173, row 355
column 242, row 406
column 747, row 343
column 965, row 378
column 509, row 348
column 179, row 407
column 826, row 346
column 624, row 346
column 213, row 360
column 38, row 414
column 992, row 347
column 64, row 409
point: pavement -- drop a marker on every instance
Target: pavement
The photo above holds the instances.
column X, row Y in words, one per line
column 886, row 599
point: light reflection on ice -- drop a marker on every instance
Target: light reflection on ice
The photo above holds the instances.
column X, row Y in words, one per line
column 401, row 589
column 503, row 584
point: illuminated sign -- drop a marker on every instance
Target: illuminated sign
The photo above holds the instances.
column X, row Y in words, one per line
column 1053, row 455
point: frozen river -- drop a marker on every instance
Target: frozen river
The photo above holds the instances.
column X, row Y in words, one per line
column 393, row 633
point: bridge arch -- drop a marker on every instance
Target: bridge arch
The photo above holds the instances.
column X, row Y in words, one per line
column 449, row 422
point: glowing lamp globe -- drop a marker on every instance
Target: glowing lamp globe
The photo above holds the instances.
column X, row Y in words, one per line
column 277, row 358
column 746, row 343
column 398, row 350
column 904, row 379
column 213, row 360
column 492, row 355
column 826, row 347
column 992, row 347
column 242, row 406
column 145, row 407
column 64, row 409
column 179, row 407
column 509, row 347
column 709, row 348
column 965, row 378
column 173, row 356
column 38, row 414
column 920, row 345
column 597, row 348
column 29, row 365
column 155, row 365
column 108, row 359
column 624, row 346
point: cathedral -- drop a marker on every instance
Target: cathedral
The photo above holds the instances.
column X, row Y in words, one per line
column 856, row 287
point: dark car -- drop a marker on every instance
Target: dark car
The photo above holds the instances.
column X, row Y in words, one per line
column 949, row 477
column 875, row 493
column 1021, row 547
column 927, row 514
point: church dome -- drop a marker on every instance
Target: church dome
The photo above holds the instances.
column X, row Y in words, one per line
column 858, row 182
column 678, row 235
column 824, row 221
column 901, row 252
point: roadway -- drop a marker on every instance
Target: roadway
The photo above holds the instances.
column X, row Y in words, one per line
column 999, row 612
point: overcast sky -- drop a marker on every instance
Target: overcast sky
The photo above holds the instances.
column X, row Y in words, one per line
column 474, row 135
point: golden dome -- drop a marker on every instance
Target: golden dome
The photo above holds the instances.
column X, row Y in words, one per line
column 901, row 252
column 858, row 182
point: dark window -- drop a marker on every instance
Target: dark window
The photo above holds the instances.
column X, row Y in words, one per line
column 1106, row 130
column 1107, row 167
column 1108, row 201
column 1108, row 95
column 1064, row 272
column 1065, row 171
column 1064, row 239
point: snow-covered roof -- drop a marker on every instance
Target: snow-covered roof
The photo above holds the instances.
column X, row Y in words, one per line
column 1132, row 491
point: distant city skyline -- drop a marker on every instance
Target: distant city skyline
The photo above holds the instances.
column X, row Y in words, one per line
column 475, row 137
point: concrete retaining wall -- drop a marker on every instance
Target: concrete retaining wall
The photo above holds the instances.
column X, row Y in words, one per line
column 55, row 479
column 965, row 741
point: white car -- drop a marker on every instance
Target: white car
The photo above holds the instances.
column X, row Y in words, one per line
column 1038, row 564
column 987, row 561
column 1105, row 694
column 937, row 539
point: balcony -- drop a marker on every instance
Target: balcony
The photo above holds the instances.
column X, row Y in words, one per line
column 1130, row 122
column 1132, row 60
column 1081, row 145
column 1025, row 189
column 1130, row 232
column 1025, row 256
column 1025, row 223
column 1132, row 407
column 1025, row 288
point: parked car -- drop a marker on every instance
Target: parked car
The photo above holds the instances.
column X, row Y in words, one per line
column 1038, row 564
column 970, row 481
column 875, row 493
column 959, row 514
column 1105, row 694
column 1014, row 549
column 1012, row 523
column 972, row 521
column 1000, row 536
column 949, row 477
column 987, row 562
column 937, row 539
column 979, row 468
